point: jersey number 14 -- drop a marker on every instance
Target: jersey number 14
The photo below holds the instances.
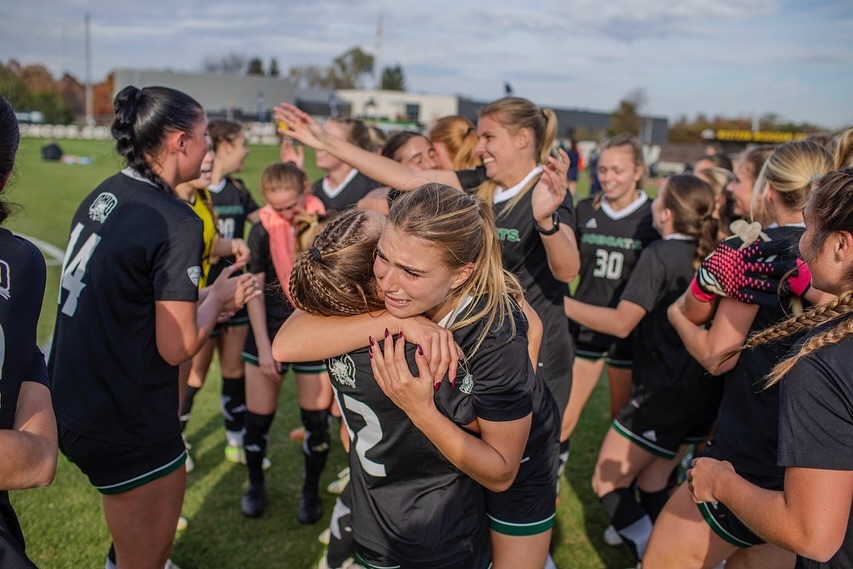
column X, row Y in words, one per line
column 74, row 269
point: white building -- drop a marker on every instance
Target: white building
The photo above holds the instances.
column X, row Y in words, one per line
column 399, row 105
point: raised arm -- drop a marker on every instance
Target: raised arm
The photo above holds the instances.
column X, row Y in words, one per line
column 561, row 247
column 306, row 130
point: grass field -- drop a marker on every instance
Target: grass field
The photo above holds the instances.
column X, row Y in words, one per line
column 63, row 523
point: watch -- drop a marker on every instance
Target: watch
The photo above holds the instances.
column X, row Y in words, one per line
column 555, row 219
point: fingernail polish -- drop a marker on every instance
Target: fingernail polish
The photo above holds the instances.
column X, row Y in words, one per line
column 401, row 334
column 370, row 353
column 372, row 341
column 420, row 350
column 387, row 333
column 436, row 386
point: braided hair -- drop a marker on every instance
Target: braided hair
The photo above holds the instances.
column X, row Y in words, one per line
column 143, row 118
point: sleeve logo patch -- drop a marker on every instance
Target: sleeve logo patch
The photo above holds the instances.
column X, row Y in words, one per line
column 102, row 207
column 194, row 273
column 342, row 370
column 5, row 280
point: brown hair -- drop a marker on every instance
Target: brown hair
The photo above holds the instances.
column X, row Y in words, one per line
column 632, row 144
column 335, row 276
column 460, row 137
column 356, row 132
column 223, row 131
column 462, row 227
column 691, row 201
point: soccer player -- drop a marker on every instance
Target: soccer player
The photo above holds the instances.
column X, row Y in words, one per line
column 27, row 424
column 129, row 315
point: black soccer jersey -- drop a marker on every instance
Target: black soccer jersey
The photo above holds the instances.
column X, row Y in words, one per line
column 662, row 274
column 472, row 178
column 22, row 280
column 524, row 255
column 610, row 243
column 347, row 196
column 816, row 422
column 277, row 306
column 130, row 246
column 748, row 425
column 232, row 202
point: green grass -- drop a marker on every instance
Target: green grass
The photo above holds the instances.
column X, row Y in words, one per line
column 64, row 524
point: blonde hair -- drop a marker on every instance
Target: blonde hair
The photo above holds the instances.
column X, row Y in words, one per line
column 283, row 175
column 844, row 150
column 335, row 276
column 462, row 227
column 459, row 135
column 514, row 113
column 790, row 170
column 631, row 143
column 831, row 206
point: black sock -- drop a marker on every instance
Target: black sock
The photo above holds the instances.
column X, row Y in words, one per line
column 255, row 443
column 629, row 519
column 233, row 406
column 315, row 447
column 341, row 542
column 653, row 502
column 187, row 404
column 111, row 555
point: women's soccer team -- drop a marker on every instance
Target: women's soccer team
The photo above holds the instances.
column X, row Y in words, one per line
column 447, row 299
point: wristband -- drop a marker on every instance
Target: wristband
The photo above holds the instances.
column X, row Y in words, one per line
column 700, row 294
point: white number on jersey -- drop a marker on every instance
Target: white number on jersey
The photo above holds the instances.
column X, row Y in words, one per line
column 367, row 437
column 74, row 271
column 608, row 264
column 226, row 228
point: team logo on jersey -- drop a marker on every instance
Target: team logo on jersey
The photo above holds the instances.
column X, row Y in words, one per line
column 467, row 385
column 342, row 370
column 102, row 207
column 5, row 280
column 194, row 273
column 591, row 224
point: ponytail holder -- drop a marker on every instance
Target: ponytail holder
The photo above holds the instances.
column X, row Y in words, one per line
column 318, row 256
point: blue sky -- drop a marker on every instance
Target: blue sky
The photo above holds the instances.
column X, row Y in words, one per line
column 729, row 57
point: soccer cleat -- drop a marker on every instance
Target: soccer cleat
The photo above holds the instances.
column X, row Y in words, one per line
column 170, row 565
column 612, row 537
column 254, row 502
column 190, row 463
column 310, row 509
column 237, row 455
column 337, row 486
column 182, row 524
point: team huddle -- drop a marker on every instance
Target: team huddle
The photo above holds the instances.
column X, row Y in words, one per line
column 447, row 299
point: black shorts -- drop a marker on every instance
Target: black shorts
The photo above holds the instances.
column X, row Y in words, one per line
column 727, row 525
column 250, row 356
column 114, row 468
column 660, row 419
column 529, row 506
column 240, row 318
column 12, row 548
column 480, row 558
column 592, row 345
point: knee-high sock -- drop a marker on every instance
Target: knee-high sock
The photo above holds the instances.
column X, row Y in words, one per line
column 257, row 430
column 233, row 407
column 315, row 447
column 653, row 502
column 187, row 404
column 629, row 519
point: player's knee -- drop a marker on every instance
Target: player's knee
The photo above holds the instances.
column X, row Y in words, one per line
column 316, row 425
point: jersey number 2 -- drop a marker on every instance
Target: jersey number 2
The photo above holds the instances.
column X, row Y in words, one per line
column 74, row 270
column 367, row 437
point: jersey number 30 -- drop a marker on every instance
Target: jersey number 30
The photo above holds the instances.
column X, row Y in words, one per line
column 608, row 264
column 74, row 269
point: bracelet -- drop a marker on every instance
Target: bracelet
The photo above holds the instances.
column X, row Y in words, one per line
column 555, row 219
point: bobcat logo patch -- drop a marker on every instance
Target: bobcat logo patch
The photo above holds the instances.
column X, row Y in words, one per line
column 102, row 207
column 342, row 369
column 5, row 280
column 194, row 273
